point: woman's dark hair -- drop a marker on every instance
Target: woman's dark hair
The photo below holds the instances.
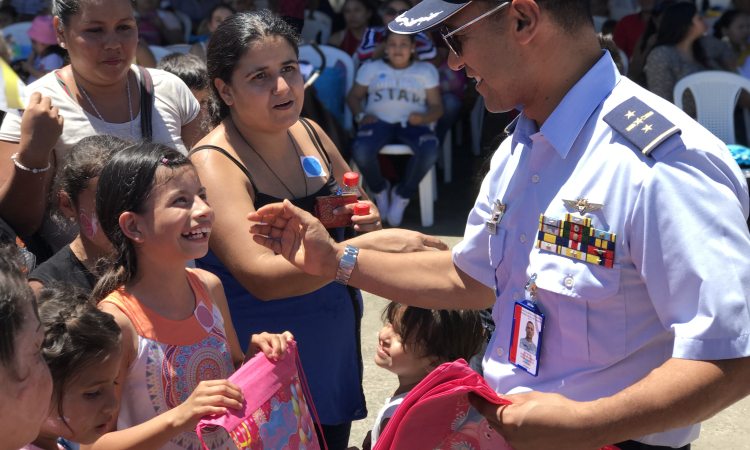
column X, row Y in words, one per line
column 389, row 33
column 124, row 186
column 15, row 293
column 217, row 7
column 77, row 335
column 726, row 21
column 229, row 43
column 188, row 68
column 369, row 6
column 652, row 27
column 84, row 163
column 65, row 9
column 439, row 334
column 675, row 25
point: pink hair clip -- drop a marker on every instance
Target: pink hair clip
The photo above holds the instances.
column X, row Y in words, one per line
column 164, row 160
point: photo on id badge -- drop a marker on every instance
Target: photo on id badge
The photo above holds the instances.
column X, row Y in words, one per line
column 525, row 338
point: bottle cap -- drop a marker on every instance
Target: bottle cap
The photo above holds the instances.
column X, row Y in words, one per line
column 361, row 209
column 351, row 179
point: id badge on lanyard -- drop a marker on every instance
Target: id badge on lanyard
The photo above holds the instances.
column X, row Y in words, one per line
column 526, row 332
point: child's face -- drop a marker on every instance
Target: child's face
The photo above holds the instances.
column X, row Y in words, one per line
column 219, row 16
column 738, row 31
column 38, row 47
column 89, row 404
column 393, row 356
column 399, row 48
column 178, row 220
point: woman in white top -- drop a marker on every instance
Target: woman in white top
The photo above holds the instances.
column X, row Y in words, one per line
column 403, row 99
column 98, row 93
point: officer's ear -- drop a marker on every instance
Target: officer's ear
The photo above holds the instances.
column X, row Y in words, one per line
column 526, row 15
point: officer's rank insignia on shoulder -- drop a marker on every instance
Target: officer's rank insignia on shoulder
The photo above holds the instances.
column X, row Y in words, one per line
column 641, row 125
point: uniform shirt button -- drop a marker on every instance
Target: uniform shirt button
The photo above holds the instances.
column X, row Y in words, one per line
column 569, row 282
column 535, row 178
column 499, row 351
column 523, row 238
column 515, row 296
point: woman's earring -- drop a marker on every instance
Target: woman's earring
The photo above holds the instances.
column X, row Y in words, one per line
column 72, row 219
column 62, row 44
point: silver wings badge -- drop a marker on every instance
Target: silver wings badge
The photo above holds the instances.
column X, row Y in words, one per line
column 582, row 205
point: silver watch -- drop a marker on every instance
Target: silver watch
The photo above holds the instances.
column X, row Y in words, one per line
column 358, row 118
column 346, row 265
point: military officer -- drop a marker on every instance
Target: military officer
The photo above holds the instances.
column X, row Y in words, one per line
column 609, row 217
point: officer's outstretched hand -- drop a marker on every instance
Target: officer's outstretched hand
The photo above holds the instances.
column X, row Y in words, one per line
column 296, row 235
column 539, row 421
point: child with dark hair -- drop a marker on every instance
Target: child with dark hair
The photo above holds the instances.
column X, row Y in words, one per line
column 179, row 345
column 192, row 70
column 82, row 349
column 414, row 342
column 734, row 28
column 75, row 184
column 403, row 99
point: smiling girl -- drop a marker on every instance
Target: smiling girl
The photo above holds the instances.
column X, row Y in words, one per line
column 179, row 345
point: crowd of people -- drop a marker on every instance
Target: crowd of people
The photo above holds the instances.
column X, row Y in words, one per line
column 127, row 188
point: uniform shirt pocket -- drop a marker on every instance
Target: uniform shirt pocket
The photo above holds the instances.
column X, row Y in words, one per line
column 590, row 306
column 496, row 251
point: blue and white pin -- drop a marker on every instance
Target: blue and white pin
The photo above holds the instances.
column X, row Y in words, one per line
column 312, row 166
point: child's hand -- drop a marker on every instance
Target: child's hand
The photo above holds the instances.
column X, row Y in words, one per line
column 416, row 119
column 272, row 345
column 209, row 397
column 41, row 127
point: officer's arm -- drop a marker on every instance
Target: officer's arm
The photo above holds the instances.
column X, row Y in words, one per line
column 425, row 279
column 679, row 393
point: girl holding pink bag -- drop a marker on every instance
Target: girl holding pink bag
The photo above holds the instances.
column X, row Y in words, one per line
column 178, row 343
column 415, row 341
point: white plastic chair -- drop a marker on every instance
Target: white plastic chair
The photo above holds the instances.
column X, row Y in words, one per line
column 427, row 187
column 716, row 94
column 187, row 23
column 333, row 55
column 178, row 48
column 18, row 32
column 320, row 16
column 159, row 52
column 312, row 29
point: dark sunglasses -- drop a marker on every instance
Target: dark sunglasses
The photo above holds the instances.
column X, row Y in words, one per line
column 455, row 44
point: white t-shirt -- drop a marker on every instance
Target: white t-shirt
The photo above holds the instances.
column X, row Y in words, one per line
column 53, row 61
column 174, row 107
column 393, row 94
column 386, row 412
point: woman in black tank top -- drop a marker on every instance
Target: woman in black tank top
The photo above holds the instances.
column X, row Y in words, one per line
column 262, row 152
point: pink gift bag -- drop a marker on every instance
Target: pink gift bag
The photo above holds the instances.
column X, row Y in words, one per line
column 437, row 414
column 278, row 410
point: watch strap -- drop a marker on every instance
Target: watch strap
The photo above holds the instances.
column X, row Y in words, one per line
column 346, row 265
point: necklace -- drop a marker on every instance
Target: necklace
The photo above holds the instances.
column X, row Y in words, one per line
column 130, row 107
column 269, row 167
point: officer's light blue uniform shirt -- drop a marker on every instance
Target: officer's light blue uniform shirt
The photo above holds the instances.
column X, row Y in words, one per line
column 681, row 274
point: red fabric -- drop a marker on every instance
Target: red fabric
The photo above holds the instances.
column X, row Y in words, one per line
column 627, row 32
column 349, row 43
column 433, row 411
column 437, row 412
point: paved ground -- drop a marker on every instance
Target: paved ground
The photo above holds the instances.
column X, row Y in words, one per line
column 728, row 430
